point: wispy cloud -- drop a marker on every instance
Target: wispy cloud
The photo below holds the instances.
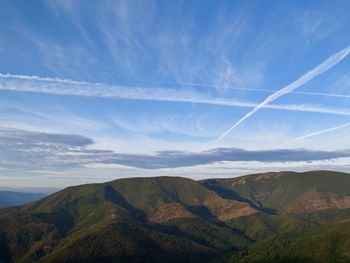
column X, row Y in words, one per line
column 36, row 150
column 59, row 86
column 323, row 67
column 189, row 125
column 309, row 135
column 28, row 149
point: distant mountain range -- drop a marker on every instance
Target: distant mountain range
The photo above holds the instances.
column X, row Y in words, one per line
column 10, row 198
column 269, row 217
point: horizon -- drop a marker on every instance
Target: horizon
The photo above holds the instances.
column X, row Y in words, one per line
column 149, row 88
column 51, row 190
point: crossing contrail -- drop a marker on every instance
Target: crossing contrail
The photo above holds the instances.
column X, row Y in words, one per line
column 83, row 83
column 323, row 94
column 319, row 132
column 321, row 68
column 64, row 87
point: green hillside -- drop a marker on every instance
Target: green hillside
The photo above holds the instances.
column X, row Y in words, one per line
column 269, row 217
column 137, row 218
column 288, row 192
column 329, row 243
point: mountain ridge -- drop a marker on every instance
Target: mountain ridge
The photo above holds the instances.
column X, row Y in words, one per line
column 173, row 219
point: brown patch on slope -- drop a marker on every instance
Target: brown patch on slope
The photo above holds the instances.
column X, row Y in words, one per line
column 316, row 201
column 269, row 176
column 170, row 211
column 225, row 209
column 258, row 177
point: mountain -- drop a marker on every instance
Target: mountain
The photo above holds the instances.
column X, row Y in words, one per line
column 289, row 192
column 255, row 218
column 319, row 197
column 10, row 198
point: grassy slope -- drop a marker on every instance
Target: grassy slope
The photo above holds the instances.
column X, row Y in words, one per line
column 326, row 239
column 73, row 223
column 329, row 243
column 277, row 190
column 100, row 222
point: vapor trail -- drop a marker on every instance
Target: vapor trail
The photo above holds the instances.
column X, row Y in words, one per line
column 57, row 86
column 49, row 79
column 319, row 132
column 70, row 81
column 326, row 65
column 252, row 89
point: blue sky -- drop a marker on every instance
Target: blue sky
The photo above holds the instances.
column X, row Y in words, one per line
column 94, row 91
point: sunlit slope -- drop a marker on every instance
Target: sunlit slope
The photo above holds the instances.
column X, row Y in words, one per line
column 288, row 192
column 152, row 217
column 255, row 218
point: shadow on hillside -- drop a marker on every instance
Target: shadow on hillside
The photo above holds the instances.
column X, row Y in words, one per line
column 114, row 196
column 230, row 194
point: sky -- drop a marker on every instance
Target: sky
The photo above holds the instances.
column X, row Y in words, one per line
column 92, row 91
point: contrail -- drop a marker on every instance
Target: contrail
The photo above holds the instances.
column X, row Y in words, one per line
column 326, row 65
column 70, row 81
column 57, row 86
column 250, row 89
column 37, row 78
column 319, row 132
